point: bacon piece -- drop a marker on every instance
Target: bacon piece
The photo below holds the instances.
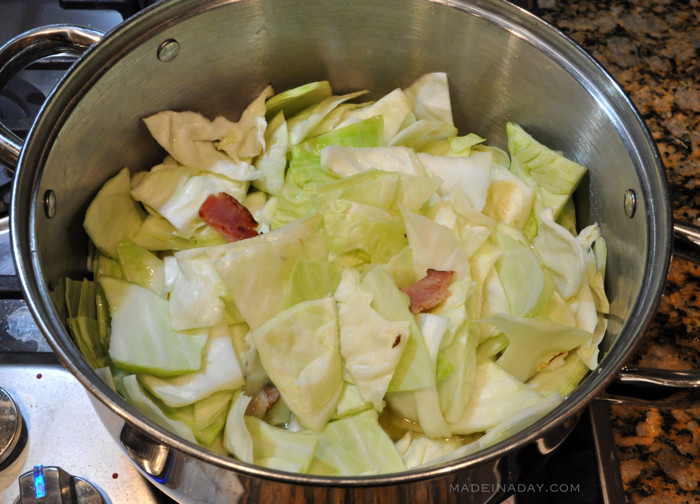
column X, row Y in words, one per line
column 226, row 215
column 429, row 291
column 261, row 402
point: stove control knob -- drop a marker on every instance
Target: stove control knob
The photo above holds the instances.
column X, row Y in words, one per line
column 53, row 485
column 11, row 429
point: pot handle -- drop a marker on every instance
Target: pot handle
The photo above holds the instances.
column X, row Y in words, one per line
column 28, row 48
column 686, row 242
column 658, row 388
column 661, row 388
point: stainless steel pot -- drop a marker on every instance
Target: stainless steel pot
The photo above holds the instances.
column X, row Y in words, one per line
column 214, row 56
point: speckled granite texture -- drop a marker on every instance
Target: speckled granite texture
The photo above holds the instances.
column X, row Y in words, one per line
column 651, row 48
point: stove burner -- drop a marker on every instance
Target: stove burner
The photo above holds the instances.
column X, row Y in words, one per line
column 125, row 7
column 5, row 192
column 20, row 102
column 13, row 431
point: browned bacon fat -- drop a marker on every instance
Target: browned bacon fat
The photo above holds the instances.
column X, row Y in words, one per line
column 226, row 215
column 261, row 402
column 429, row 291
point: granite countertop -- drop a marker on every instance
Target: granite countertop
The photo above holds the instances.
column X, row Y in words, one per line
column 651, row 48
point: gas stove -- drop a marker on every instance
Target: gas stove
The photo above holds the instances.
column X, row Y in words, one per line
column 50, row 436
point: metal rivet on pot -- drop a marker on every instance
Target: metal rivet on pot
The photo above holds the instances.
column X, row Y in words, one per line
column 50, row 203
column 630, row 203
column 168, row 50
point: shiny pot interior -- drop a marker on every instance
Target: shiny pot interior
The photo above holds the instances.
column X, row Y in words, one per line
column 502, row 63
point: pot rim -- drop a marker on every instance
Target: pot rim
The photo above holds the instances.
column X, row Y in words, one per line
column 152, row 20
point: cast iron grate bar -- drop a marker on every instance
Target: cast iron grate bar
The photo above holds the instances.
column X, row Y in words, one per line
column 126, row 8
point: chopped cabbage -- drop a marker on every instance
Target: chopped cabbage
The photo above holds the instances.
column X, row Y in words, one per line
column 278, row 448
column 220, row 370
column 112, row 215
column 307, row 347
column 371, row 346
column 355, row 445
column 299, row 350
column 142, row 339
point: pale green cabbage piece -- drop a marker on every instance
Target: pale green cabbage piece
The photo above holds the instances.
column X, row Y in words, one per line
column 196, row 297
column 281, row 449
column 393, row 107
column 336, row 116
column 305, row 174
column 432, row 110
column 495, row 397
column 350, row 402
column 508, row 427
column 495, row 299
column 414, row 370
column 237, row 439
column 105, row 265
column 352, row 226
column 142, row 339
column 472, row 174
column 272, row 163
column 434, row 246
column 158, row 234
column 456, row 389
column 429, row 412
column 562, row 379
column 458, row 348
column 255, row 271
column 112, row 215
column 510, row 198
column 218, row 146
column 562, row 255
column 141, row 266
column 253, row 370
column 521, row 274
column 177, row 193
column 428, row 407
column 418, row 450
column 430, row 94
column 453, row 146
column 400, row 268
column 532, row 343
column 294, row 100
column 346, row 161
column 245, row 139
column 422, row 133
column 311, row 280
column 220, row 370
column 137, row 397
column 355, row 445
column 549, row 169
column 300, row 351
column 209, row 417
column 415, row 379
column 595, row 259
column 554, row 176
column 305, row 121
column 371, row 346
column 380, row 188
column 375, row 187
column 80, row 298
